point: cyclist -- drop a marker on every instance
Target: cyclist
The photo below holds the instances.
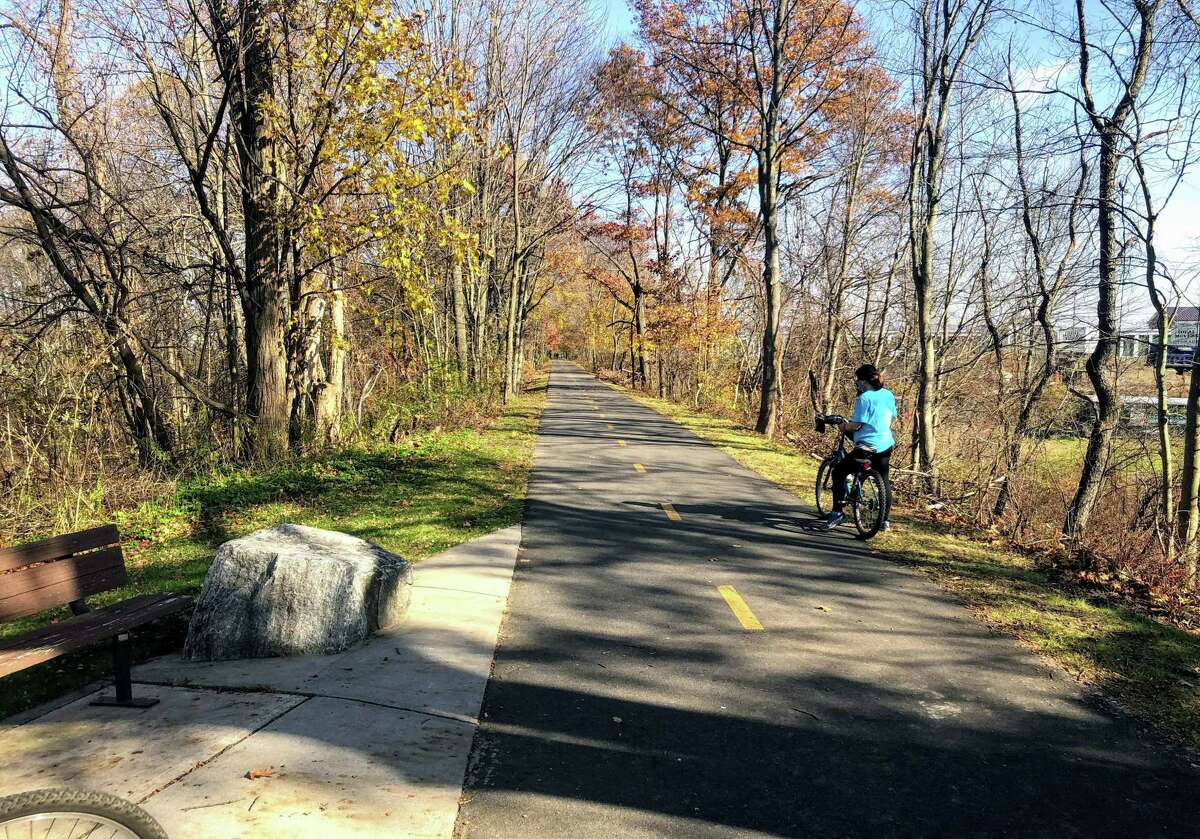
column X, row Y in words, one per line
column 870, row 427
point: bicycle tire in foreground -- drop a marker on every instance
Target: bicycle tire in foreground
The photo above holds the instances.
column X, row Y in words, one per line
column 62, row 813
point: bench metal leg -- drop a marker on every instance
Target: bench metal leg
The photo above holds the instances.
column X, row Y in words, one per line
column 123, row 680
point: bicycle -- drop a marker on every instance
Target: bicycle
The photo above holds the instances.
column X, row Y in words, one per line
column 68, row 813
column 867, row 491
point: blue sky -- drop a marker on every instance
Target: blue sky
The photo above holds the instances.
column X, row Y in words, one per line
column 620, row 18
column 1178, row 230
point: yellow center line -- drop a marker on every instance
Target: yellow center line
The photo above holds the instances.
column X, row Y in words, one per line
column 670, row 511
column 637, row 467
column 739, row 608
column 620, row 442
column 609, row 424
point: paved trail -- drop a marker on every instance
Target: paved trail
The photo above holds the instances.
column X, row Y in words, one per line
column 629, row 699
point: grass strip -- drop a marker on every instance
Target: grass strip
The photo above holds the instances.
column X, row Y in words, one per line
column 433, row 490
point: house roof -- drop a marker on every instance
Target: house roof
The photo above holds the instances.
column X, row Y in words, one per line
column 1180, row 314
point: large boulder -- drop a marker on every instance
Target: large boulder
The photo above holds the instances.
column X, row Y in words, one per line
column 294, row 590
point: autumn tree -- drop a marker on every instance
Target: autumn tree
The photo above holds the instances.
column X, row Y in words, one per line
column 786, row 65
column 865, row 150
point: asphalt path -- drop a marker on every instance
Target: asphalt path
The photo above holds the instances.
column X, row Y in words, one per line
column 681, row 658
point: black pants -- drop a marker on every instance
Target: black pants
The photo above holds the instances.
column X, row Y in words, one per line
column 879, row 462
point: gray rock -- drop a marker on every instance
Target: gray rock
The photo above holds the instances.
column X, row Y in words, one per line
column 294, row 590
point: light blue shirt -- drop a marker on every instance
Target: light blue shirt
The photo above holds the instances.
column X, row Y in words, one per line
column 875, row 409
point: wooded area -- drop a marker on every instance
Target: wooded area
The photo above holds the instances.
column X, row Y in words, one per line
column 237, row 233
column 963, row 193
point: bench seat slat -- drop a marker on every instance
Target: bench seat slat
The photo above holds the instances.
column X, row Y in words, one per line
column 36, row 588
column 52, row 641
column 58, row 546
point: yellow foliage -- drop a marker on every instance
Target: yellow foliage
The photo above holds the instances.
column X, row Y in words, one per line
column 389, row 123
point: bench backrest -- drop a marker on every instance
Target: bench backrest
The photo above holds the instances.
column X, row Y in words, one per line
column 56, row 571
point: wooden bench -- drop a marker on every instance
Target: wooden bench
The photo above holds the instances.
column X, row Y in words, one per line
column 64, row 570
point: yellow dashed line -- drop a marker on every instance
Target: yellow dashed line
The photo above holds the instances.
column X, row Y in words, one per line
column 620, row 442
column 739, row 608
column 637, row 467
column 670, row 511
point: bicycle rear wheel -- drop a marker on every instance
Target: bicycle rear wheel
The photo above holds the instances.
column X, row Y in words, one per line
column 62, row 813
column 870, row 503
column 825, row 487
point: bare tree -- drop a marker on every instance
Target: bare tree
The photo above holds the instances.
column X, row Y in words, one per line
column 1040, row 210
column 946, row 35
column 1110, row 128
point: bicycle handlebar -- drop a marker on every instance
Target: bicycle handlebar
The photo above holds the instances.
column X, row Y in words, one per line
column 829, row 419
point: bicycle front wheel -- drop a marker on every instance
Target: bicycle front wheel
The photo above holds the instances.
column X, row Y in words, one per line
column 870, row 503
column 62, row 813
column 825, row 487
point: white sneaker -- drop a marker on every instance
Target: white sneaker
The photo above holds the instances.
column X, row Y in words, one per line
column 887, row 525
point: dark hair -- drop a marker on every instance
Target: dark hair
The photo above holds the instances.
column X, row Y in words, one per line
column 869, row 374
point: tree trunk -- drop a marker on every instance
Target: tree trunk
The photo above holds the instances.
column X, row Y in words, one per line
column 881, row 332
column 926, row 436
column 1166, row 484
column 639, row 314
column 331, row 393
column 150, row 429
column 479, row 320
column 460, row 320
column 772, row 361
column 1165, row 454
column 1189, row 502
column 514, row 302
column 1099, row 363
column 266, row 303
column 267, row 400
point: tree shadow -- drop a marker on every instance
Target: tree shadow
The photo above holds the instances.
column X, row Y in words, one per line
column 626, row 700
column 696, row 737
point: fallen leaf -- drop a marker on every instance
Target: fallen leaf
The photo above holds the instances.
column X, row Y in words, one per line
column 255, row 774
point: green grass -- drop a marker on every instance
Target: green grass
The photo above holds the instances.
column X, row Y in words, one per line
column 431, row 491
column 1134, row 454
column 1150, row 668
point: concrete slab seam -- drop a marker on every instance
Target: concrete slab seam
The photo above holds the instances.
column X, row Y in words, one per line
column 211, row 758
column 442, row 715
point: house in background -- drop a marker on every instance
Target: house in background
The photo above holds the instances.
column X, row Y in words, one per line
column 1078, row 341
column 1136, row 344
column 1181, row 340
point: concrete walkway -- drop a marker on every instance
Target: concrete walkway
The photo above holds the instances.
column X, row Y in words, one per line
column 369, row 743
